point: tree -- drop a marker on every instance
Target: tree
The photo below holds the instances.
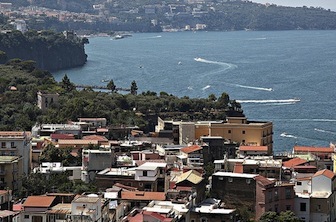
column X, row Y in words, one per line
column 288, row 216
column 111, row 86
column 66, row 84
column 3, row 57
column 134, row 88
column 284, row 216
column 269, row 216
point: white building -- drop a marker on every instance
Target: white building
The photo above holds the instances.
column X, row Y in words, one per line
column 315, row 197
column 86, row 208
column 14, row 143
column 57, row 167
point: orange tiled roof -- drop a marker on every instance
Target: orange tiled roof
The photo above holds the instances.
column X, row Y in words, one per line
column 308, row 149
column 253, row 148
column 142, row 195
column 325, row 172
column 190, row 149
column 38, row 201
column 294, row 162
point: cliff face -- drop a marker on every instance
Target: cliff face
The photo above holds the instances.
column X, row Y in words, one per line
column 51, row 51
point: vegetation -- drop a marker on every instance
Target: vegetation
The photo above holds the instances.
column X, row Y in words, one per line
column 19, row 111
column 285, row 216
column 217, row 15
column 38, row 183
column 50, row 50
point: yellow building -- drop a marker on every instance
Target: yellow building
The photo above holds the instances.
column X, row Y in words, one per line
column 235, row 129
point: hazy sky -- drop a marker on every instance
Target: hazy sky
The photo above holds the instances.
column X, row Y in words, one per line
column 327, row 4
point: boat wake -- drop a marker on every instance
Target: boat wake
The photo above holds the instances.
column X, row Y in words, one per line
column 272, row 101
column 253, row 87
column 284, row 134
column 226, row 65
column 262, row 38
column 325, row 131
column 206, row 87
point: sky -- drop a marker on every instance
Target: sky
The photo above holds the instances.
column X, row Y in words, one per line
column 326, row 4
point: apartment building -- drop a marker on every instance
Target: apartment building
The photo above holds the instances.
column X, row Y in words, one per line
column 16, row 143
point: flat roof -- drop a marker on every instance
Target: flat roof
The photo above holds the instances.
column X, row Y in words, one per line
column 229, row 174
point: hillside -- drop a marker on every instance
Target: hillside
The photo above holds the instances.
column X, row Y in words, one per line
column 138, row 16
column 50, row 50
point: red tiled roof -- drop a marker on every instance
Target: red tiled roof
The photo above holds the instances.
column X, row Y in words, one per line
column 102, row 130
column 294, row 162
column 122, row 186
column 253, row 148
column 38, row 201
column 308, row 149
column 190, row 149
column 263, row 180
column 181, row 188
column 95, row 137
column 141, row 162
column 325, row 172
column 62, row 136
column 17, row 207
column 158, row 216
column 238, row 168
column 142, row 195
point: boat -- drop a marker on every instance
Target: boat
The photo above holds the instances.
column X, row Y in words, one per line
column 121, row 36
column 118, row 37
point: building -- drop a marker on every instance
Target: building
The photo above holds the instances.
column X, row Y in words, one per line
column 212, row 210
column 273, row 196
column 35, row 208
column 245, row 151
column 11, row 172
column 315, row 197
column 45, row 100
column 215, row 147
column 48, row 129
column 6, row 200
column 18, row 144
column 191, row 156
column 149, row 177
column 88, row 208
column 235, row 129
column 94, row 161
column 74, row 172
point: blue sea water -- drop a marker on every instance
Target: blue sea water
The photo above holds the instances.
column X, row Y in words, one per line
column 287, row 77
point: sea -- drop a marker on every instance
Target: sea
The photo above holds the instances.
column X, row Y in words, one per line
column 287, row 77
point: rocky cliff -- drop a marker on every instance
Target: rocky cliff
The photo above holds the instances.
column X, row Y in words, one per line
column 51, row 51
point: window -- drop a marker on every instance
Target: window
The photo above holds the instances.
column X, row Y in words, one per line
column 144, row 173
column 288, row 193
column 26, row 216
column 243, row 132
column 318, row 208
column 3, row 144
column 229, row 131
column 298, row 183
column 13, row 145
column 220, row 178
column 276, row 195
column 303, row 207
